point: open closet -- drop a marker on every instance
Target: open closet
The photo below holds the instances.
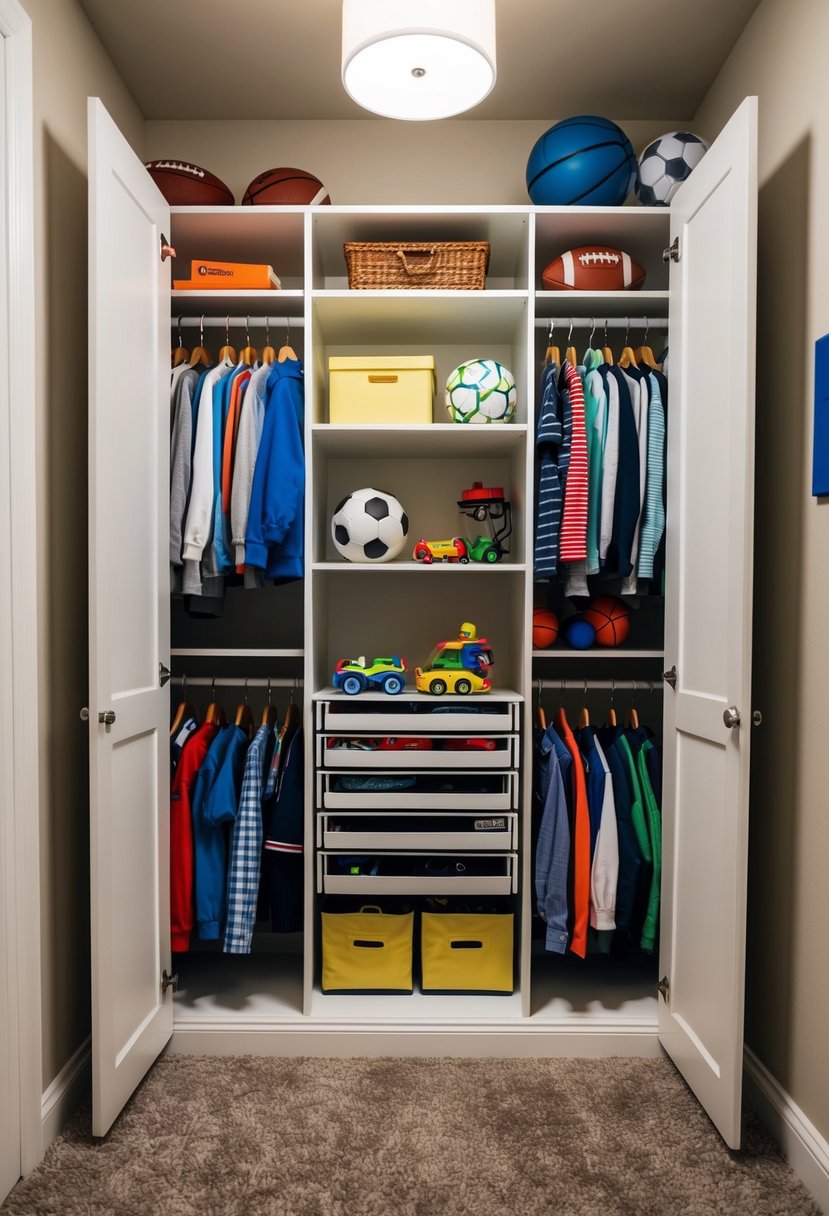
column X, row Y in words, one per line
column 685, row 669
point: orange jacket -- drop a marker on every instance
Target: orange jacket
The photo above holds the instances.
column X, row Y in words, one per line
column 580, row 840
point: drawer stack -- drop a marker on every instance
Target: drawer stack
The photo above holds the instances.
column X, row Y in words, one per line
column 415, row 796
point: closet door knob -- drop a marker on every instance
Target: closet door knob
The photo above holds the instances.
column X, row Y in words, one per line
column 106, row 717
column 85, row 714
column 731, row 717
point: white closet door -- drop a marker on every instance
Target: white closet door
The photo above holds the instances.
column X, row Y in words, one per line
column 129, row 338
column 708, row 619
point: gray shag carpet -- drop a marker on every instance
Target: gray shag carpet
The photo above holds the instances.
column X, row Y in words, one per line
column 244, row 1136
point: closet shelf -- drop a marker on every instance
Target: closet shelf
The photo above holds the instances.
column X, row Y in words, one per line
column 437, row 317
column 329, row 693
column 613, row 654
column 438, row 439
column 407, row 566
column 278, row 303
column 203, row 652
column 561, row 304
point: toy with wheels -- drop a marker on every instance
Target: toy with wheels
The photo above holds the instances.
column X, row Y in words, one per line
column 353, row 676
column 457, row 667
column 583, row 161
column 481, row 503
column 454, row 550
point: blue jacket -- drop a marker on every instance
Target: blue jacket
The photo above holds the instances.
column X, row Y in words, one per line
column 552, row 857
column 215, row 802
column 275, row 533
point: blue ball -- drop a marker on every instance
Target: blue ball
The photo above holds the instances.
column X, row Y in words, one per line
column 583, row 161
column 579, row 633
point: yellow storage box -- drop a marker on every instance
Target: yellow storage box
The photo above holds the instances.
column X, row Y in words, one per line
column 367, row 951
column 381, row 388
column 466, row 952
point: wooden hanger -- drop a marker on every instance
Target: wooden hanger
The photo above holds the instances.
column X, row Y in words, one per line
column 633, row 716
column 269, row 714
column 244, row 715
column 644, row 354
column 627, row 357
column 215, row 713
column 570, row 355
column 286, row 351
column 180, row 353
column 268, row 354
column 553, row 354
column 184, row 711
column 607, row 353
column 227, row 352
column 584, row 712
column 249, row 354
column 540, row 716
column 611, row 713
column 199, row 354
column 291, row 721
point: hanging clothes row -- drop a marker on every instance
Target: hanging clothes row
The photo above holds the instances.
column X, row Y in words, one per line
column 600, row 471
column 236, row 799
column 237, row 472
column 597, row 831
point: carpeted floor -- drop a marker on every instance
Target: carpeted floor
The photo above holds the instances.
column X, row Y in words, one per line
column 382, row 1137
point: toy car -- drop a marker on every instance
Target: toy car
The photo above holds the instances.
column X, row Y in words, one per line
column 353, row 676
column 460, row 681
column 454, row 550
column 458, row 666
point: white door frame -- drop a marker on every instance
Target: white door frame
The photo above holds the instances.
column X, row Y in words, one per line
column 19, row 746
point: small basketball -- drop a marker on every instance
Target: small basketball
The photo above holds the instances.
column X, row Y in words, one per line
column 580, row 633
column 187, row 185
column 610, row 618
column 545, row 628
column 281, row 187
column 583, row 161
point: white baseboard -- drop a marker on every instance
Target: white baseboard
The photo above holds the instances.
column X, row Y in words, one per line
column 802, row 1144
column 64, row 1095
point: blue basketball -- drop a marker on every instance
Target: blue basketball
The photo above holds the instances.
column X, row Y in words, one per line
column 579, row 633
column 583, row 161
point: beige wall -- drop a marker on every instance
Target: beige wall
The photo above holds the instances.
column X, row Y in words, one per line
column 782, row 58
column 374, row 160
column 69, row 64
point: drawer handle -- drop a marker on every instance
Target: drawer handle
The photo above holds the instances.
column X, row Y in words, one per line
column 368, row 945
column 467, row 945
column 382, row 379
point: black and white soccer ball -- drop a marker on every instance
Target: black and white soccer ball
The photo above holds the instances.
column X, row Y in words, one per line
column 665, row 164
column 369, row 526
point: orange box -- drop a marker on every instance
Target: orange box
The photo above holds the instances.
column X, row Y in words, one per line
column 228, row 276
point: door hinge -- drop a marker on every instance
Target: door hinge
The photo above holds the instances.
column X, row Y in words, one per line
column 664, row 988
column 167, row 250
column 671, row 254
column 169, row 981
column 670, row 677
column 163, row 675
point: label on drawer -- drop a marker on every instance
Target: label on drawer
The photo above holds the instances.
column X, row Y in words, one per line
column 491, row 825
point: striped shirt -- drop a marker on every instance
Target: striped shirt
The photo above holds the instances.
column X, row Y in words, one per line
column 574, row 520
column 654, row 514
column 246, row 847
column 548, row 438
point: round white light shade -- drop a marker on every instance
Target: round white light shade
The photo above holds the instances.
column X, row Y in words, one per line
column 418, row 59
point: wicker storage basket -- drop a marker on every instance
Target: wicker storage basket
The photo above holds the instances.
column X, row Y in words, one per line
column 438, row 266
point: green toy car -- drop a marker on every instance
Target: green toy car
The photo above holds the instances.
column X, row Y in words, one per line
column 353, row 676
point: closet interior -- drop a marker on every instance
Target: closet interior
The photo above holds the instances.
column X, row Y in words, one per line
column 279, row 644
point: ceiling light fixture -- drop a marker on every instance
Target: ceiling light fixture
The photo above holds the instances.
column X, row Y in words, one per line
column 418, row 59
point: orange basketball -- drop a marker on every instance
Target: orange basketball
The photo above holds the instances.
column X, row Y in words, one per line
column 610, row 618
column 545, row 628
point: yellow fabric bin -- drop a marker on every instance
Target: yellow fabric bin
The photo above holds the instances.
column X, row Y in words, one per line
column 466, row 952
column 390, row 389
column 367, row 951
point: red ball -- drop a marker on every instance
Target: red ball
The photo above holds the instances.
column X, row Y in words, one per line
column 283, row 186
column 545, row 628
column 610, row 618
column 187, row 185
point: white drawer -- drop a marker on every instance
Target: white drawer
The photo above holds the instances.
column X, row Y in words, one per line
column 389, row 717
column 397, row 830
column 501, row 877
column 501, row 794
column 503, row 755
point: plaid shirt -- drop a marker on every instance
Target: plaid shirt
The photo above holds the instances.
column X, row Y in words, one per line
column 246, row 848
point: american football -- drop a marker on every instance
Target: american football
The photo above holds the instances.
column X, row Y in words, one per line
column 187, row 185
column 593, row 268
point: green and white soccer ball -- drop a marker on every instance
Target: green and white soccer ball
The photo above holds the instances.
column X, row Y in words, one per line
column 482, row 391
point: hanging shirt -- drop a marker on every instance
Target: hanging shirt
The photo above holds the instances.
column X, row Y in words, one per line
column 630, row 858
column 574, row 516
column 275, row 531
column 610, row 462
column 640, row 815
column 653, row 524
column 640, row 399
column 251, row 420
column 626, row 498
column 552, row 857
column 595, row 421
column 580, row 840
column 548, row 438
column 181, row 834
column 181, row 441
column 177, row 741
column 284, row 839
column 639, row 750
column 246, row 847
column 197, row 529
column 209, row 836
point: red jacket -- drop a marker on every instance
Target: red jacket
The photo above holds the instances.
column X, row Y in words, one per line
column 181, row 834
column 580, row 839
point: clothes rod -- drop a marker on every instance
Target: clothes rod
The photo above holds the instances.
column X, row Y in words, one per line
column 600, row 685
column 240, row 682
column 224, row 322
column 599, row 323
